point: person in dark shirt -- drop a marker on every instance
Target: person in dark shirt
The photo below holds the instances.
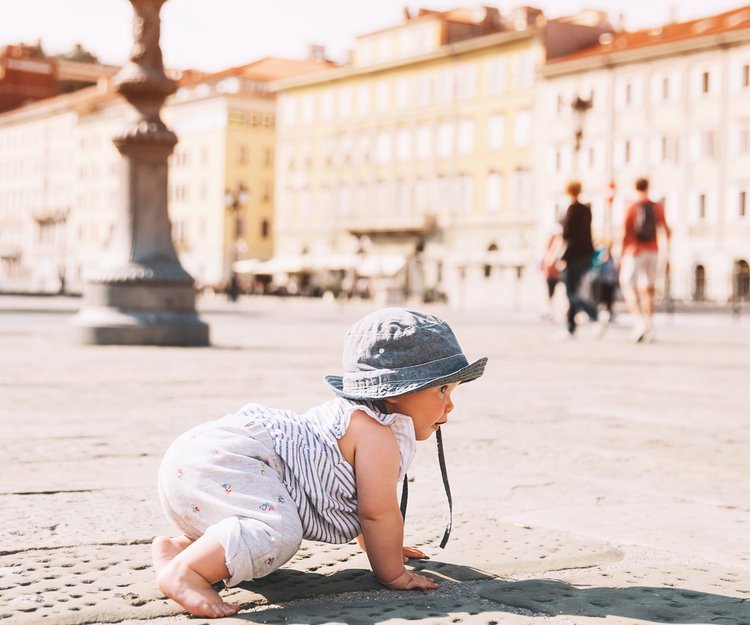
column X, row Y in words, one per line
column 578, row 254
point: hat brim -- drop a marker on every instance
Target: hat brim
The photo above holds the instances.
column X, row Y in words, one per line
column 465, row 374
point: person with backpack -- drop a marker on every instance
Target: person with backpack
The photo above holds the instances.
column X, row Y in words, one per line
column 640, row 256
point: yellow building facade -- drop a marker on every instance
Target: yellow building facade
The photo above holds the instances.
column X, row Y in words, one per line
column 420, row 150
column 60, row 178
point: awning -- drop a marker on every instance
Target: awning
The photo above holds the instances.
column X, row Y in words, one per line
column 370, row 265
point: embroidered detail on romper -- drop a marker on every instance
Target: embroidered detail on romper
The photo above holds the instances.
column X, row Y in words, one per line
column 269, row 561
column 195, row 508
column 214, row 451
column 266, row 507
column 280, row 499
column 262, row 470
column 228, row 488
column 180, row 473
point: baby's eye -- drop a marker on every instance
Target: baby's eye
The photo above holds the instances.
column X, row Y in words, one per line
column 444, row 389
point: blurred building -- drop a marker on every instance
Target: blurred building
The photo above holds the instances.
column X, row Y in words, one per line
column 413, row 165
column 671, row 104
column 27, row 74
column 60, row 177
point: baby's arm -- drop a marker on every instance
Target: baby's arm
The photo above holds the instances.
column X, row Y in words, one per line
column 376, row 464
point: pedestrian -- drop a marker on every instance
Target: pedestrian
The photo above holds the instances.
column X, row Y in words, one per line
column 640, row 256
column 605, row 285
column 578, row 254
column 550, row 266
column 246, row 489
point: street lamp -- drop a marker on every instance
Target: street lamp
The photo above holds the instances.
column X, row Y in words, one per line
column 580, row 106
column 234, row 201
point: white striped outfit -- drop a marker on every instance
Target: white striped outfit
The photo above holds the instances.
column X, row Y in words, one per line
column 260, row 480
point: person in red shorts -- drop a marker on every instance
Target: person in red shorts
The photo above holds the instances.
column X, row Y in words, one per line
column 639, row 261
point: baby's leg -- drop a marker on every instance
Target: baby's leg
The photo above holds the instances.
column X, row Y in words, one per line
column 187, row 579
column 164, row 549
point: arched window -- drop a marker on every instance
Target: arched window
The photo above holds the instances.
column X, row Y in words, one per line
column 699, row 283
column 742, row 277
column 488, row 268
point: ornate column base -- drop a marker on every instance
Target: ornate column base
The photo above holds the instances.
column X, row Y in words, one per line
column 139, row 313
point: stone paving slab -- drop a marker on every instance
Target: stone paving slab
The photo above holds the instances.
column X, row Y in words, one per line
column 592, row 481
column 105, row 582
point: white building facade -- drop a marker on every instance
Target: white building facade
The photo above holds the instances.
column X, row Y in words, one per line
column 672, row 105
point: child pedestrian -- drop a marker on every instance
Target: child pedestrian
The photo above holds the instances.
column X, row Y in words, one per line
column 246, row 489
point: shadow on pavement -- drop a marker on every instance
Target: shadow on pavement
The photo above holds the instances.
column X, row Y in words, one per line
column 644, row 603
column 372, row 603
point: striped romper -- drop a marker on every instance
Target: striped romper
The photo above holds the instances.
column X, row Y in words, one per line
column 260, row 480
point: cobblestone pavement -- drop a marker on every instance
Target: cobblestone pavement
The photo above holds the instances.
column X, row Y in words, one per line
column 593, row 480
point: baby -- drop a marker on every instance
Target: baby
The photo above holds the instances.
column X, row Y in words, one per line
column 246, row 489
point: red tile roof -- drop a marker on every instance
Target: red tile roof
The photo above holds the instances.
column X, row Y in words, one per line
column 264, row 70
column 735, row 20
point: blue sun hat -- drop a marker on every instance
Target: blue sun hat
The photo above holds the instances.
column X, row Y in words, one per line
column 394, row 351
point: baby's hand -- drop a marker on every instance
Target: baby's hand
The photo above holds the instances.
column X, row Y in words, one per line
column 413, row 552
column 410, row 581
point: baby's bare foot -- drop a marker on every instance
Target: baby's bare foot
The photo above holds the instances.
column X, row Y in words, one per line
column 164, row 549
column 186, row 587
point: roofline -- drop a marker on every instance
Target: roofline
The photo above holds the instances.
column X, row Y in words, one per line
column 65, row 102
column 644, row 53
column 460, row 47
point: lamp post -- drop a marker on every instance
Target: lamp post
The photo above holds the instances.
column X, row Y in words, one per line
column 580, row 107
column 234, row 201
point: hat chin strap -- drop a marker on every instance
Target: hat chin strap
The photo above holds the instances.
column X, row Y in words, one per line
column 446, row 485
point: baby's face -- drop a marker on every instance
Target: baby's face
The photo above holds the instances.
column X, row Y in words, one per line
column 428, row 408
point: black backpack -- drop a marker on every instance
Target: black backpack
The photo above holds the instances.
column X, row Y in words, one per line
column 645, row 222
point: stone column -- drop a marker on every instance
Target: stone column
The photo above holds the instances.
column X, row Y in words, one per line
column 141, row 295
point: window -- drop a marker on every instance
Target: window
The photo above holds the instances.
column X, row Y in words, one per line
column 363, row 99
column 402, row 93
column 445, row 139
column 497, row 79
column 446, row 85
column 345, row 101
column 523, row 70
column 465, row 193
column 465, row 136
column 704, row 144
column 743, row 141
column 522, row 190
column 327, row 105
column 403, row 144
column 307, row 104
column 523, row 128
column 423, row 89
column 496, row 132
column 494, row 192
column 241, row 155
column 466, row 81
column 384, row 147
column 382, row 95
column 424, row 141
